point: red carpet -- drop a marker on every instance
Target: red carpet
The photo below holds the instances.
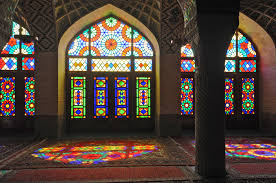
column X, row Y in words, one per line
column 255, row 168
column 107, row 174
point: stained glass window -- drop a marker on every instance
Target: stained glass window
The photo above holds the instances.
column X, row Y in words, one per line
column 12, row 47
column 187, row 65
column 78, row 97
column 28, row 63
column 186, row 51
column 108, row 47
column 187, row 82
column 111, row 65
column 8, row 63
column 80, row 46
column 245, row 47
column 231, row 51
column 141, row 46
column 247, row 65
column 110, row 37
column 143, row 97
column 248, row 96
column 77, row 64
column 121, row 97
column 230, row 66
column 243, row 61
column 27, row 48
column 29, row 96
column 187, row 96
column 100, row 97
column 229, row 96
column 7, row 96
column 143, row 65
column 23, row 59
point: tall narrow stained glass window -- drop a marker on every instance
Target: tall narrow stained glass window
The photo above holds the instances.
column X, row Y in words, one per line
column 17, row 64
column 100, row 97
column 143, row 93
column 78, row 97
column 187, row 80
column 121, row 97
column 111, row 55
column 240, row 78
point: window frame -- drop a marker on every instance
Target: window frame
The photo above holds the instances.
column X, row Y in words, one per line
column 111, row 75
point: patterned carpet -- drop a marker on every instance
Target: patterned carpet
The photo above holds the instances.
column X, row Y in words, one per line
column 240, row 150
column 8, row 148
column 103, row 153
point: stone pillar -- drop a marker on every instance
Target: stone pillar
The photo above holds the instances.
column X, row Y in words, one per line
column 217, row 22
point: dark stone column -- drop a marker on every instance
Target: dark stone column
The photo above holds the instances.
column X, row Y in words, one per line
column 217, row 22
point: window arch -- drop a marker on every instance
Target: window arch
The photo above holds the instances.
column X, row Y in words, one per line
column 110, row 72
column 17, row 81
column 240, row 78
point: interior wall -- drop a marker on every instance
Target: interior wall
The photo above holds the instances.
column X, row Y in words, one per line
column 267, row 72
column 78, row 26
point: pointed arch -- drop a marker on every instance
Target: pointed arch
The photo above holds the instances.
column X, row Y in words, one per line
column 85, row 21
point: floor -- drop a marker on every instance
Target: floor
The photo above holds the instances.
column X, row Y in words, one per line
column 131, row 158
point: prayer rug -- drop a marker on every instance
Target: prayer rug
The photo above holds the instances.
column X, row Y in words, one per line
column 103, row 152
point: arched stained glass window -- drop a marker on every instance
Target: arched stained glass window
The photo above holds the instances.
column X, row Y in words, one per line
column 17, row 66
column 110, row 69
column 187, row 80
column 240, row 78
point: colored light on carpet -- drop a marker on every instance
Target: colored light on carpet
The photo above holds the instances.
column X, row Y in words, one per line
column 251, row 151
column 88, row 153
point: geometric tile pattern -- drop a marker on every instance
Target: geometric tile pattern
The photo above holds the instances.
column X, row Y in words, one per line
column 77, row 64
column 8, row 63
column 111, row 65
column 247, row 65
column 230, row 66
column 143, row 65
column 28, row 63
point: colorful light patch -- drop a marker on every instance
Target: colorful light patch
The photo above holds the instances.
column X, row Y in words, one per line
column 230, row 66
column 8, row 63
column 110, row 37
column 231, row 51
column 250, row 151
column 141, row 47
column 187, row 96
column 143, row 97
column 28, row 63
column 229, row 96
column 78, row 97
column 143, row 65
column 80, row 46
column 27, row 48
column 77, row 64
column 7, row 96
column 248, row 96
column 186, row 51
column 121, row 97
column 187, row 65
column 86, row 153
column 245, row 47
column 12, row 47
column 29, row 96
column 100, row 97
column 247, row 65
column 111, row 65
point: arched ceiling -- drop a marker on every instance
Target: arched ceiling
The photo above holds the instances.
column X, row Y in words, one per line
column 69, row 11
column 263, row 12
